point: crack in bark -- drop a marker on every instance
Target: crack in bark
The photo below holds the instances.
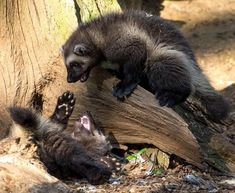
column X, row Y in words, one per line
column 47, row 15
column 35, row 55
column 98, row 8
column 6, row 13
column 27, row 49
column 31, row 19
column 5, row 85
column 36, row 11
column 77, row 11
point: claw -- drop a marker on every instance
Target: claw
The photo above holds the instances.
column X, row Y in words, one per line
column 123, row 90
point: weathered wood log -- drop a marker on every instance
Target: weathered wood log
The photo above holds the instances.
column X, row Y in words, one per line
column 139, row 119
column 217, row 146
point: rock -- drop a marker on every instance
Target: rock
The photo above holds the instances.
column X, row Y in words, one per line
column 195, row 180
column 201, row 183
column 230, row 182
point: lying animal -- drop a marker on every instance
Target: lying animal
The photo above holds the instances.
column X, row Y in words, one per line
column 79, row 151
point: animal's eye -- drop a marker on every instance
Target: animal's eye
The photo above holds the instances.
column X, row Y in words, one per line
column 74, row 64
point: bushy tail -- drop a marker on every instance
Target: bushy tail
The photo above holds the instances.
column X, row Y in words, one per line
column 25, row 117
column 215, row 104
column 217, row 107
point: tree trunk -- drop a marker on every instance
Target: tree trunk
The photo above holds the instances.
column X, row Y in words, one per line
column 33, row 75
column 31, row 35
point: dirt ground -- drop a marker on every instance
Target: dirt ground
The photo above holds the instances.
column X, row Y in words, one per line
column 182, row 179
column 210, row 28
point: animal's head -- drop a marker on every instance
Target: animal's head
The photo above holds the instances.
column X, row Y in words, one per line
column 87, row 133
column 80, row 56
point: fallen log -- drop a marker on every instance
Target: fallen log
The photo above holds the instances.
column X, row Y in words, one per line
column 139, row 119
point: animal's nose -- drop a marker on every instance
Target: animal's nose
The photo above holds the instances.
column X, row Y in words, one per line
column 69, row 79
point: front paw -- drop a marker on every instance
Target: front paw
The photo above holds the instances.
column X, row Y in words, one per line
column 170, row 98
column 123, row 90
column 64, row 107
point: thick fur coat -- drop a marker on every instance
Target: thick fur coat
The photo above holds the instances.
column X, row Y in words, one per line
column 150, row 52
column 80, row 151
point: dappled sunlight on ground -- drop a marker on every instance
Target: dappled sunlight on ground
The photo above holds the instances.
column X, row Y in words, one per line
column 210, row 29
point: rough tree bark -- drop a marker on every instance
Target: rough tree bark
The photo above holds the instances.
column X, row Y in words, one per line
column 33, row 75
column 31, row 35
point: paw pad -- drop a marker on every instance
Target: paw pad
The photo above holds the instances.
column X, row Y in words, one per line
column 64, row 107
column 112, row 163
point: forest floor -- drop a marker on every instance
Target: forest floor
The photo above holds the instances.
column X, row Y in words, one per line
column 210, row 29
column 182, row 179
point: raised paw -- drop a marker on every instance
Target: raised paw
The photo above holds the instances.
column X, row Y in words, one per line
column 64, row 108
column 170, row 98
column 122, row 90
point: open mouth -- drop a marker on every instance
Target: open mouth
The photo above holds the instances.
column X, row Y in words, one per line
column 85, row 76
column 84, row 121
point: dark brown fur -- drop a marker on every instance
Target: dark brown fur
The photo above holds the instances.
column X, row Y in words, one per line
column 150, row 52
column 78, row 151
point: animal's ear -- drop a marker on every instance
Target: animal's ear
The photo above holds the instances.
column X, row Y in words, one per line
column 81, row 49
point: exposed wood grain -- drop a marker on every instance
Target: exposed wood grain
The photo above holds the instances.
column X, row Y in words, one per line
column 139, row 119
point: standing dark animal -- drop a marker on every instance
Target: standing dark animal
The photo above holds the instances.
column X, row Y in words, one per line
column 148, row 50
column 77, row 151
